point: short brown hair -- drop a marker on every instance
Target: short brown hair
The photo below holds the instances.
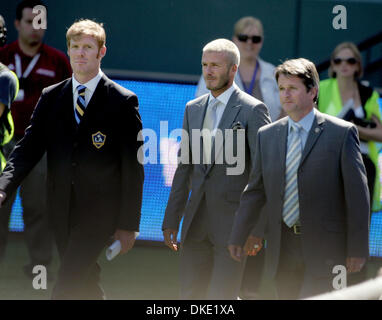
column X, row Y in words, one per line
column 245, row 22
column 87, row 27
column 357, row 55
column 302, row 68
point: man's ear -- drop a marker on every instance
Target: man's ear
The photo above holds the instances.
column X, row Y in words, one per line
column 314, row 92
column 234, row 68
column 102, row 52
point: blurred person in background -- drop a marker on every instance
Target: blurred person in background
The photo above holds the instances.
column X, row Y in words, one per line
column 3, row 32
column 9, row 86
column 255, row 76
column 37, row 66
column 343, row 95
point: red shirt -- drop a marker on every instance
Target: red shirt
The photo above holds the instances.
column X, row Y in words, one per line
column 52, row 67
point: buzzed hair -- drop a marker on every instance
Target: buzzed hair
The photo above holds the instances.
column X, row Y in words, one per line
column 224, row 46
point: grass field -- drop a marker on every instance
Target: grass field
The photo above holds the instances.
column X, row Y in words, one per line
column 145, row 273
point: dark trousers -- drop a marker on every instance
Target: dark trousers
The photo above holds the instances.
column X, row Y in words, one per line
column 37, row 230
column 206, row 269
column 79, row 273
column 252, row 277
column 292, row 281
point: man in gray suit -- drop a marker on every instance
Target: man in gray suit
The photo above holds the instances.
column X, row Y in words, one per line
column 309, row 180
column 206, row 192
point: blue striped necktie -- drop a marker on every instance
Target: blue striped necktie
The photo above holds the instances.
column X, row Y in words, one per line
column 80, row 107
column 291, row 209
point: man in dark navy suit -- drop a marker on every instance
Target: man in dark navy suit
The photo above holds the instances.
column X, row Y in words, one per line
column 88, row 125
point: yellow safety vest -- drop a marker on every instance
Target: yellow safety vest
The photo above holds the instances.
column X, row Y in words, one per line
column 8, row 135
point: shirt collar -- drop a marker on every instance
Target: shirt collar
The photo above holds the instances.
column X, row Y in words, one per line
column 306, row 122
column 224, row 97
column 91, row 84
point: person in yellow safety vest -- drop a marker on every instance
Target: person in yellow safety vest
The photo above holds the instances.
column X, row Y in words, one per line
column 9, row 86
column 344, row 96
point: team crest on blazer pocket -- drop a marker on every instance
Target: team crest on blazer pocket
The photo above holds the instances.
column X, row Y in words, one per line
column 98, row 139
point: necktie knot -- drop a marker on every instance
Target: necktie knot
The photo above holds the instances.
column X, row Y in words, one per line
column 296, row 128
column 81, row 90
column 80, row 106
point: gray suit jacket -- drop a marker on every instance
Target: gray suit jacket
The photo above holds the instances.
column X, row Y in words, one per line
column 333, row 195
column 193, row 181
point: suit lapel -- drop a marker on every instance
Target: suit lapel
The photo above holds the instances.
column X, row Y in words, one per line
column 97, row 100
column 314, row 133
column 197, row 114
column 67, row 109
column 282, row 135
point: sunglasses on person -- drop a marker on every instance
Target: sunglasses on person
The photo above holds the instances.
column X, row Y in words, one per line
column 244, row 38
column 351, row 61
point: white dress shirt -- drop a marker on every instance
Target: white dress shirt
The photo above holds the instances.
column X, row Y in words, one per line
column 223, row 100
column 91, row 85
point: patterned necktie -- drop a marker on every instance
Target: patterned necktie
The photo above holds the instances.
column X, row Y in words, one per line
column 291, row 205
column 81, row 104
column 209, row 124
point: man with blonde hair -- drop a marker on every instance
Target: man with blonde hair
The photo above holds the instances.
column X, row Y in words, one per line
column 309, row 186
column 203, row 191
column 88, row 125
column 254, row 76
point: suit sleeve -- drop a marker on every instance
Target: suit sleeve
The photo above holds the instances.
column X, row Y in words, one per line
column 260, row 119
column 181, row 183
column 356, row 196
column 132, row 172
column 251, row 202
column 29, row 150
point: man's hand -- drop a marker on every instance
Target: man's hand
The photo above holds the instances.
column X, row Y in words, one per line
column 3, row 195
column 236, row 252
column 170, row 237
column 253, row 245
column 354, row 264
column 127, row 239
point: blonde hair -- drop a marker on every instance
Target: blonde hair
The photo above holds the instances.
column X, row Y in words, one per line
column 357, row 55
column 302, row 68
column 245, row 22
column 225, row 46
column 87, row 27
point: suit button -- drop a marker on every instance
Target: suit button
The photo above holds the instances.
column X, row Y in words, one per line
column 74, row 164
column 75, row 144
column 72, row 183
